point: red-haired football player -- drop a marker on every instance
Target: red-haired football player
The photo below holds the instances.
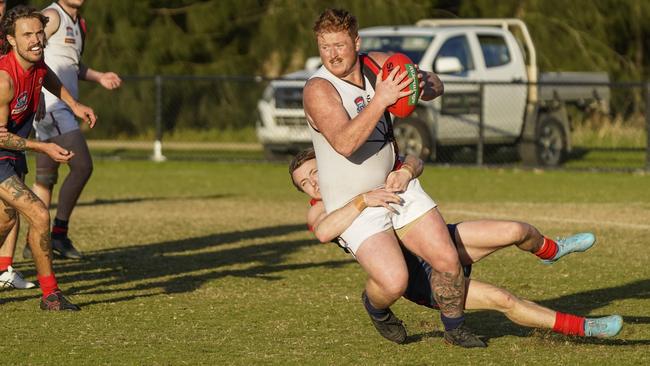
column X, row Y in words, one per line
column 355, row 148
column 474, row 240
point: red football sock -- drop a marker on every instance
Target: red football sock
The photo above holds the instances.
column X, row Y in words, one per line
column 48, row 284
column 568, row 324
column 5, row 262
column 548, row 249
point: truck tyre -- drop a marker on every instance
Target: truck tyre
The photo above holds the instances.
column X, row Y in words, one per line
column 412, row 138
column 549, row 147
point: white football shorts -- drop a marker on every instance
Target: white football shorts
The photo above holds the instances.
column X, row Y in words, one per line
column 374, row 220
column 55, row 123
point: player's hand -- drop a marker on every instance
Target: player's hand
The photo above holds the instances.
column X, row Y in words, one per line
column 431, row 86
column 85, row 113
column 388, row 91
column 110, row 80
column 382, row 198
column 40, row 109
column 57, row 153
column 398, row 180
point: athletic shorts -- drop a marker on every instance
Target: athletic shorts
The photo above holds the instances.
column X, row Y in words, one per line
column 374, row 220
column 55, row 123
column 419, row 285
column 9, row 167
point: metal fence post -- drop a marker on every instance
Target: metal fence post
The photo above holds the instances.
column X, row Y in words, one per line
column 157, row 144
column 647, row 126
column 481, row 127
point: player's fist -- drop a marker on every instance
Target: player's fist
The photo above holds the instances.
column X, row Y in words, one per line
column 85, row 113
column 57, row 153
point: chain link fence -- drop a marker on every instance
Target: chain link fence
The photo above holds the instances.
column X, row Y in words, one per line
column 575, row 125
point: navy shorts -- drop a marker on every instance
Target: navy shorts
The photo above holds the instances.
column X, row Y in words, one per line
column 419, row 286
column 9, row 167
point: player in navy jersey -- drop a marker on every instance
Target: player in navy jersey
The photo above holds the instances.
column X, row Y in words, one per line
column 474, row 240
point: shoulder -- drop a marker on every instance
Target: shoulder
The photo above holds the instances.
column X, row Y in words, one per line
column 6, row 86
column 315, row 213
column 317, row 88
column 53, row 20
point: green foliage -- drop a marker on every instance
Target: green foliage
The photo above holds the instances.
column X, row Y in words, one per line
column 273, row 37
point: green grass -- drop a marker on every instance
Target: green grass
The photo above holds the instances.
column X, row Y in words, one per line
column 195, row 262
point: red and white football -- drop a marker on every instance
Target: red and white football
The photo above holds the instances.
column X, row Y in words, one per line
column 405, row 105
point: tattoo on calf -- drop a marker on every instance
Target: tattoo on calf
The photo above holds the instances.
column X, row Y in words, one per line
column 449, row 293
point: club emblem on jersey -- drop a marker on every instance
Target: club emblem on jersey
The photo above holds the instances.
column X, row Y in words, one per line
column 69, row 35
column 360, row 104
column 21, row 103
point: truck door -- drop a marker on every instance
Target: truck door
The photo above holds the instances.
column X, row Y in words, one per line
column 501, row 61
column 460, row 104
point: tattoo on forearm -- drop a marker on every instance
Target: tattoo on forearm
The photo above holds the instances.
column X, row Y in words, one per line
column 13, row 142
column 449, row 293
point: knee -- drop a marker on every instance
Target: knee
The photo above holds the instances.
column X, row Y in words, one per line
column 516, row 232
column 503, row 300
column 83, row 168
column 395, row 287
column 40, row 218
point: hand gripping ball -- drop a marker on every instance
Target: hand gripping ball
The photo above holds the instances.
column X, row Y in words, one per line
column 404, row 105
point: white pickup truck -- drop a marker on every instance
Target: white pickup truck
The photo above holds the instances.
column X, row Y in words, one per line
column 494, row 95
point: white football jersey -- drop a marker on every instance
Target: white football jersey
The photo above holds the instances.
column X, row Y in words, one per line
column 63, row 55
column 342, row 178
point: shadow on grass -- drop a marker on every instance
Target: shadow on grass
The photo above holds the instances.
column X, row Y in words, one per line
column 182, row 266
column 115, row 201
column 494, row 325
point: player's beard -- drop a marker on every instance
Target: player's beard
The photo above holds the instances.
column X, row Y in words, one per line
column 31, row 56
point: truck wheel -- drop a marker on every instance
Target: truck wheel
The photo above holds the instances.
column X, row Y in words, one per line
column 412, row 138
column 549, row 147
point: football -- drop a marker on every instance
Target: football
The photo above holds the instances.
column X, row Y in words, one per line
column 405, row 105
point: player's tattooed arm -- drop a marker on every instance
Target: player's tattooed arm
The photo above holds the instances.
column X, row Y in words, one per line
column 10, row 141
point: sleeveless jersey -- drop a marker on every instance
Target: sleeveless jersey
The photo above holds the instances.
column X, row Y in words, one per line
column 342, row 178
column 63, row 55
column 27, row 89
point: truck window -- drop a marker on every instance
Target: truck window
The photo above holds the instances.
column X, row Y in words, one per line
column 412, row 46
column 457, row 47
column 495, row 50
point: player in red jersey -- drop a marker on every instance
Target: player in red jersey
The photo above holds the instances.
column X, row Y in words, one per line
column 22, row 74
column 474, row 241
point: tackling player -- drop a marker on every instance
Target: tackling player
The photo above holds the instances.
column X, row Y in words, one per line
column 474, row 241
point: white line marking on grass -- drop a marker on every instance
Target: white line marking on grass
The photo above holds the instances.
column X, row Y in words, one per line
column 573, row 221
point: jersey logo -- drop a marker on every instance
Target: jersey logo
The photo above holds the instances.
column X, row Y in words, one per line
column 21, row 103
column 69, row 36
column 361, row 104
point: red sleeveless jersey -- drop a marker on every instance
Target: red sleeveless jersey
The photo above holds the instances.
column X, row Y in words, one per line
column 27, row 91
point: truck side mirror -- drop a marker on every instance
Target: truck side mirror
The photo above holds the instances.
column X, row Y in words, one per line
column 313, row 63
column 448, row 65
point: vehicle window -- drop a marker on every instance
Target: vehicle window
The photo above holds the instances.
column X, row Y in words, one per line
column 412, row 46
column 457, row 47
column 495, row 50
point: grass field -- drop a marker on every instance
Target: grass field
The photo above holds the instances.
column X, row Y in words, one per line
column 210, row 263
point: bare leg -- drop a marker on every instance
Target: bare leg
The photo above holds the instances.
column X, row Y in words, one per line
column 9, row 221
column 14, row 192
column 429, row 239
column 382, row 259
column 478, row 239
column 483, row 296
